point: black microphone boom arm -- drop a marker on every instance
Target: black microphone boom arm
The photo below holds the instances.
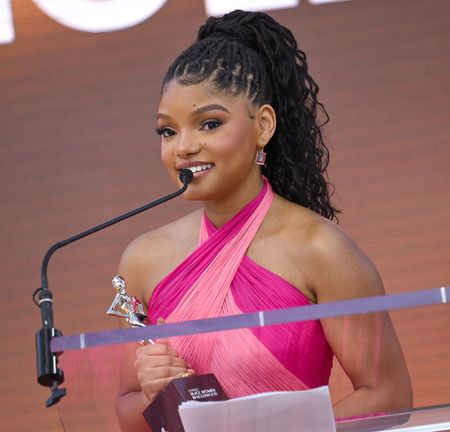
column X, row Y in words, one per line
column 49, row 374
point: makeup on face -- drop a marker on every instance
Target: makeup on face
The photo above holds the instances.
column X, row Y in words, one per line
column 211, row 134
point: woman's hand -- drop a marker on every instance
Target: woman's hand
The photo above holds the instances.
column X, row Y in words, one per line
column 156, row 365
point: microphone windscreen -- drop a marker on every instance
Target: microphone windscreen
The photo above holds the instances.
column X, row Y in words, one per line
column 186, row 176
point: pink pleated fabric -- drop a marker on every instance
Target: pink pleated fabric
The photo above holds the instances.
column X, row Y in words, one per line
column 218, row 279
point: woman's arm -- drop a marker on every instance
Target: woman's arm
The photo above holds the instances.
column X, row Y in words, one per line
column 131, row 400
column 144, row 369
column 365, row 345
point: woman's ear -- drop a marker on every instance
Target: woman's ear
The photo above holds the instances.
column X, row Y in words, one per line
column 267, row 123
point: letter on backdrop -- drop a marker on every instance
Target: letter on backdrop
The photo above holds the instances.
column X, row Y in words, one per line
column 99, row 16
column 220, row 7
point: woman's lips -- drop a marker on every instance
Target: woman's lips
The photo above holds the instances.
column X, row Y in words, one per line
column 198, row 169
column 203, row 172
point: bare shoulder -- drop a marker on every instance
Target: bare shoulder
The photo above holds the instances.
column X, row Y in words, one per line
column 335, row 267
column 149, row 257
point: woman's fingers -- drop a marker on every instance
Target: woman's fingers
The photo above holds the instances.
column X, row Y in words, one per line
column 156, row 365
column 147, row 374
column 156, row 349
column 148, row 361
column 154, row 379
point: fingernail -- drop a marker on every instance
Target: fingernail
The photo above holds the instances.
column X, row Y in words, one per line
column 191, row 371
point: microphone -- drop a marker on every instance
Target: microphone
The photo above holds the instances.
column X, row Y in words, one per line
column 186, row 176
column 49, row 374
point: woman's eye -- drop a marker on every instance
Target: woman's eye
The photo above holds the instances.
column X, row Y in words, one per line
column 165, row 132
column 210, row 124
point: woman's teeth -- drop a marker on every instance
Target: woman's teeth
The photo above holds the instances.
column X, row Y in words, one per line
column 199, row 168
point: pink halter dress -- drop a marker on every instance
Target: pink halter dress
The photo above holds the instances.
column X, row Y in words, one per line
column 218, row 279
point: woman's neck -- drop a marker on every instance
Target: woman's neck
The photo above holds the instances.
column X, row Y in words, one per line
column 219, row 212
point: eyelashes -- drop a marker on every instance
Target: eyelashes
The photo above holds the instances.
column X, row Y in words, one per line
column 165, row 132
column 211, row 124
column 207, row 125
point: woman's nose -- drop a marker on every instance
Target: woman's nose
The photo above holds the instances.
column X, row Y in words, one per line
column 186, row 146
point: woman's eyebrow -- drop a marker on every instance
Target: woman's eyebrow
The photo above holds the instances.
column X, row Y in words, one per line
column 210, row 107
column 198, row 111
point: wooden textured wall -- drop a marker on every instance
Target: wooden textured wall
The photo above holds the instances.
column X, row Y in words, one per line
column 78, row 146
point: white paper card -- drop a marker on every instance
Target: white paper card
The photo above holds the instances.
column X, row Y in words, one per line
column 307, row 410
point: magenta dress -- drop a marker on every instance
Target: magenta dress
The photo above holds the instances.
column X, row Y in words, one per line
column 218, row 279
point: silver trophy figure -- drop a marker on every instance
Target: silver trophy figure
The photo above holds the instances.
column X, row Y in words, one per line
column 126, row 306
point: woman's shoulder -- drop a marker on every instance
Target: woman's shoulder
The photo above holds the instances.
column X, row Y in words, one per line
column 179, row 229
column 301, row 223
column 149, row 257
column 337, row 267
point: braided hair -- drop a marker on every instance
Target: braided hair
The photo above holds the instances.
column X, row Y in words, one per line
column 250, row 53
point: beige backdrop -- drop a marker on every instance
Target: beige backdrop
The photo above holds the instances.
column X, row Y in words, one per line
column 78, row 147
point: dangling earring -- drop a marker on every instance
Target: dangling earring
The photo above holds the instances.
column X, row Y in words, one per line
column 261, row 156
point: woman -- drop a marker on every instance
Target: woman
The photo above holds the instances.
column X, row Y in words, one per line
column 240, row 110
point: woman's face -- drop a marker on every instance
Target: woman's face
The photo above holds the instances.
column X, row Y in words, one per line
column 214, row 135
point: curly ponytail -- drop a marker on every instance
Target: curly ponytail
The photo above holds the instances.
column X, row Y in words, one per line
column 250, row 53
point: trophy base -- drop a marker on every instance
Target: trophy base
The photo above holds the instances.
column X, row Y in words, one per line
column 162, row 414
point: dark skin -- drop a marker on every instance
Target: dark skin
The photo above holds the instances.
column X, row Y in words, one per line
column 310, row 252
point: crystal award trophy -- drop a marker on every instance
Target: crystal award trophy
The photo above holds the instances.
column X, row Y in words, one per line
column 162, row 413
